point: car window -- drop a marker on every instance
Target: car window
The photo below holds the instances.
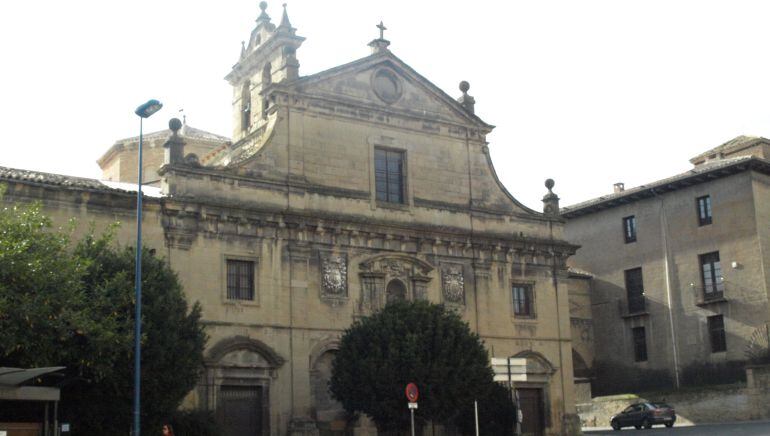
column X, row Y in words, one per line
column 661, row 405
column 629, row 409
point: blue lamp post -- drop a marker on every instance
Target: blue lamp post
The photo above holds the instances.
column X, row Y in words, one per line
column 143, row 111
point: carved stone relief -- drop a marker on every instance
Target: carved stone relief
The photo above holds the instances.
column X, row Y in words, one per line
column 393, row 277
column 453, row 284
column 334, row 276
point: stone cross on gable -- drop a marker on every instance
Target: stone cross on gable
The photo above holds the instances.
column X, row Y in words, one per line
column 382, row 29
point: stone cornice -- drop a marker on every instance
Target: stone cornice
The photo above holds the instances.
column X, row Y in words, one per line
column 283, row 185
column 347, row 108
column 329, row 229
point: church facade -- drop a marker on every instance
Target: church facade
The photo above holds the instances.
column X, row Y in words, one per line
column 340, row 192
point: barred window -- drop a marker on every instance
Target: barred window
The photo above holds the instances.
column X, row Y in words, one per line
column 523, row 304
column 240, row 279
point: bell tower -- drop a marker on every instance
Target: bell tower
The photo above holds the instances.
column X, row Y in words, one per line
column 269, row 57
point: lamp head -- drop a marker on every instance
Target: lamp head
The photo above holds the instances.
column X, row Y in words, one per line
column 149, row 108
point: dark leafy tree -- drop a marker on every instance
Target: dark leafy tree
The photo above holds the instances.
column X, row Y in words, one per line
column 74, row 307
column 407, row 342
column 497, row 414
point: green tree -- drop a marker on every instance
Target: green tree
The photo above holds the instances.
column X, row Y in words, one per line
column 497, row 414
column 74, row 307
column 408, row 342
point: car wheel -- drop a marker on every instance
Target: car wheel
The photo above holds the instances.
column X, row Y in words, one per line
column 615, row 425
column 646, row 424
column 638, row 427
column 669, row 424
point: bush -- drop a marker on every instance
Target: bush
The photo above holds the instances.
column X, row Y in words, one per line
column 195, row 423
column 496, row 414
column 406, row 342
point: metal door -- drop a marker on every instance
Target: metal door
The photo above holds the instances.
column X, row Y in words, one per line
column 532, row 410
column 239, row 410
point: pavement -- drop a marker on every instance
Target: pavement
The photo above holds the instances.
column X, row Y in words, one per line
column 745, row 428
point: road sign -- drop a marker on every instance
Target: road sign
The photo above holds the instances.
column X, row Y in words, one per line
column 412, row 393
column 509, row 369
column 412, row 405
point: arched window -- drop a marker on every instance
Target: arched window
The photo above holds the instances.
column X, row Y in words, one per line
column 246, row 106
column 267, row 78
column 267, row 75
column 396, row 291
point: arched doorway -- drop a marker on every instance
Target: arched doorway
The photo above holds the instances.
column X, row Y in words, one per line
column 533, row 394
column 238, row 375
column 330, row 417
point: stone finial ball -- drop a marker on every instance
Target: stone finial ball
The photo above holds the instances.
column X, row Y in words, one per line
column 465, row 86
column 263, row 6
column 174, row 124
column 549, row 184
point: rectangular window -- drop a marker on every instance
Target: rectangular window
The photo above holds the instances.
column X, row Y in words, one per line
column 629, row 229
column 711, row 275
column 716, row 326
column 240, row 279
column 635, row 290
column 523, row 304
column 389, row 175
column 704, row 210
column 640, row 344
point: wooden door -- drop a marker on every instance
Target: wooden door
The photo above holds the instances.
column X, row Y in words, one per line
column 239, row 410
column 532, row 410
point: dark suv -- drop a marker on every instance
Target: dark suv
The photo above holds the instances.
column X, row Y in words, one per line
column 644, row 415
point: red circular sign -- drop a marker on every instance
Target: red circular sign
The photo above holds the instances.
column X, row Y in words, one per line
column 412, row 393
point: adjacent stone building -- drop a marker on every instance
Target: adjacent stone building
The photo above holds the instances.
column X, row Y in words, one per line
column 681, row 265
column 340, row 192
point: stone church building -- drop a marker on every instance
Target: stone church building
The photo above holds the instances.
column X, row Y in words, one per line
column 339, row 192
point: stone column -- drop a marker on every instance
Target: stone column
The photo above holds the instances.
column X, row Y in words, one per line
column 481, row 271
column 301, row 423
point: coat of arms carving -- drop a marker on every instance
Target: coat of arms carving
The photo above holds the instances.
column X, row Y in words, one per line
column 334, row 276
column 453, row 284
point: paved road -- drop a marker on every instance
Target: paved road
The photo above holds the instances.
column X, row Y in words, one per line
column 737, row 429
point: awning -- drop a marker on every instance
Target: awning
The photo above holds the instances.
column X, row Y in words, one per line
column 11, row 380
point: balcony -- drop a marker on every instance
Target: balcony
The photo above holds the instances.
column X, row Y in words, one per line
column 636, row 306
column 712, row 295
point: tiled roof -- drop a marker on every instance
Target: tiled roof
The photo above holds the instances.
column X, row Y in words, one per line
column 49, row 179
column 37, row 177
column 730, row 146
column 699, row 174
column 187, row 131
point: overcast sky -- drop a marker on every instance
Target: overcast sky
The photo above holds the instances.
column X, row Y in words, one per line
column 588, row 93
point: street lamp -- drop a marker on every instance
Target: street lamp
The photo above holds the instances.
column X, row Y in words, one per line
column 144, row 111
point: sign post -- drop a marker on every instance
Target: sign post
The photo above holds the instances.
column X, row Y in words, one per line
column 412, row 393
column 510, row 370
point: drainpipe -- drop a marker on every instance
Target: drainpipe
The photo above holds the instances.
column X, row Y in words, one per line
column 667, row 264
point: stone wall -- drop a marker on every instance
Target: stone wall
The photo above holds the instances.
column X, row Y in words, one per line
column 726, row 403
column 758, row 387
